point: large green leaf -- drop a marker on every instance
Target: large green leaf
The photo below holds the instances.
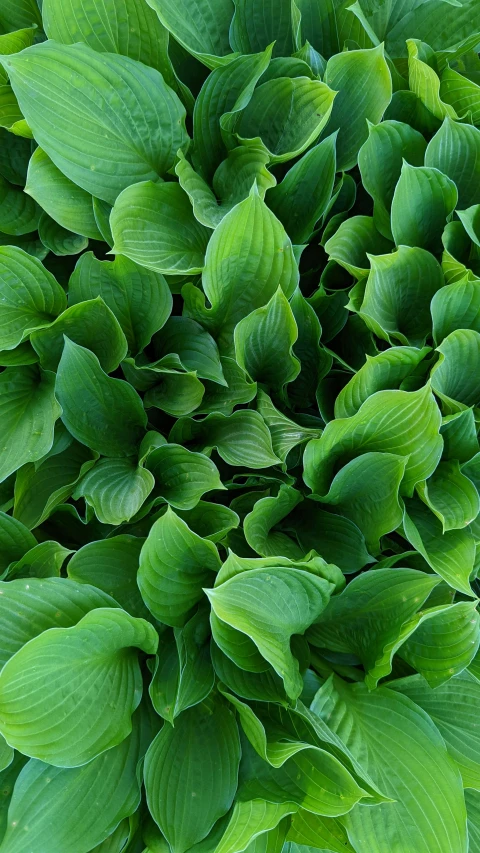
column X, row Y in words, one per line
column 424, row 81
column 202, row 29
column 403, row 751
column 354, row 243
column 72, row 676
column 455, row 151
column 258, row 23
column 461, row 93
column 456, row 307
column 175, row 564
column 116, row 489
column 380, row 161
column 241, row 438
column 266, row 514
column 264, row 341
column 31, row 297
column 451, row 496
column 28, row 411
column 54, row 808
column 456, row 386
column 269, row 606
column 93, row 418
column 132, row 134
column 423, row 200
column 405, row 423
column 139, row 298
column 182, row 477
column 191, row 772
column 364, row 85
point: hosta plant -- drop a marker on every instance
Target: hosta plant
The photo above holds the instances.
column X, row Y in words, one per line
column 239, row 415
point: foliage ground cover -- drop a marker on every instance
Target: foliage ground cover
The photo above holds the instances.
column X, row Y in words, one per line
column 239, row 415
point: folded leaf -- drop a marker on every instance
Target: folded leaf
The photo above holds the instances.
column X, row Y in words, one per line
column 240, row 439
column 455, row 151
column 264, row 341
column 423, row 200
column 181, row 476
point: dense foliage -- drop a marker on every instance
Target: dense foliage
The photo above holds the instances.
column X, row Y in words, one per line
column 239, row 413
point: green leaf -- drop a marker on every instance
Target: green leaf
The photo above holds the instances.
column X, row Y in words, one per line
column 248, row 257
column 450, row 555
column 451, row 496
column 175, row 564
column 423, row 200
column 146, row 221
column 266, row 513
column 455, row 307
column 202, row 30
column 364, row 86
column 195, row 348
column 334, row 537
column 461, row 93
column 353, row 244
column 264, row 341
column 387, row 370
column 257, row 24
column 269, row 605
column 398, row 293
column 65, row 202
column 15, row 540
column 228, row 88
column 31, row 297
column 473, row 803
column 32, row 606
column 301, row 199
column 28, row 411
column 285, row 114
column 404, row 753
column 93, row 418
column 240, row 439
column 455, row 151
column 19, row 214
column 307, row 829
column 191, row 773
column 455, row 386
column 90, row 324
column 374, row 615
column 55, row 807
column 405, row 423
column 44, row 560
column 139, row 298
column 461, row 693
column 116, row 489
column 58, row 240
column 140, row 122
column 286, row 434
column 68, row 674
column 250, row 820
column 209, row 520
column 111, row 565
column 444, row 644
column 182, row 477
column 424, row 81
column 380, row 161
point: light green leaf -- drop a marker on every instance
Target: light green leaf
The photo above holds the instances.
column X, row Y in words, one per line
column 285, row 114
column 405, row 755
column 153, row 224
column 71, row 676
column 251, row 819
column 240, row 439
column 228, row 88
column 405, row 423
column 264, row 341
column 380, row 161
column 423, row 200
column 58, row 240
column 108, row 416
column 111, row 565
column 55, row 808
column 455, row 151
column 450, row 555
column 90, row 324
column 398, row 293
column 116, row 489
column 45, row 560
column 19, row 214
column 191, row 772
column 445, row 643
column 30, row 607
column 195, row 348
column 451, row 496
column 364, row 86
column 424, row 81
column 139, row 298
column 387, row 370
column 248, row 257
column 175, row 564
column 182, row 476
column 28, row 411
column 353, row 244
column 209, row 520
column 461, row 93
column 373, row 617
column 307, row 829
column 63, row 200
column 220, row 399
column 472, row 801
column 462, row 695
column 269, row 605
column 202, row 30
column 470, row 221
column 132, row 135
column 460, row 436
column 301, row 199
column 266, row 513
column 456, row 306
column 456, row 386
column 31, row 297
column 286, row 434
